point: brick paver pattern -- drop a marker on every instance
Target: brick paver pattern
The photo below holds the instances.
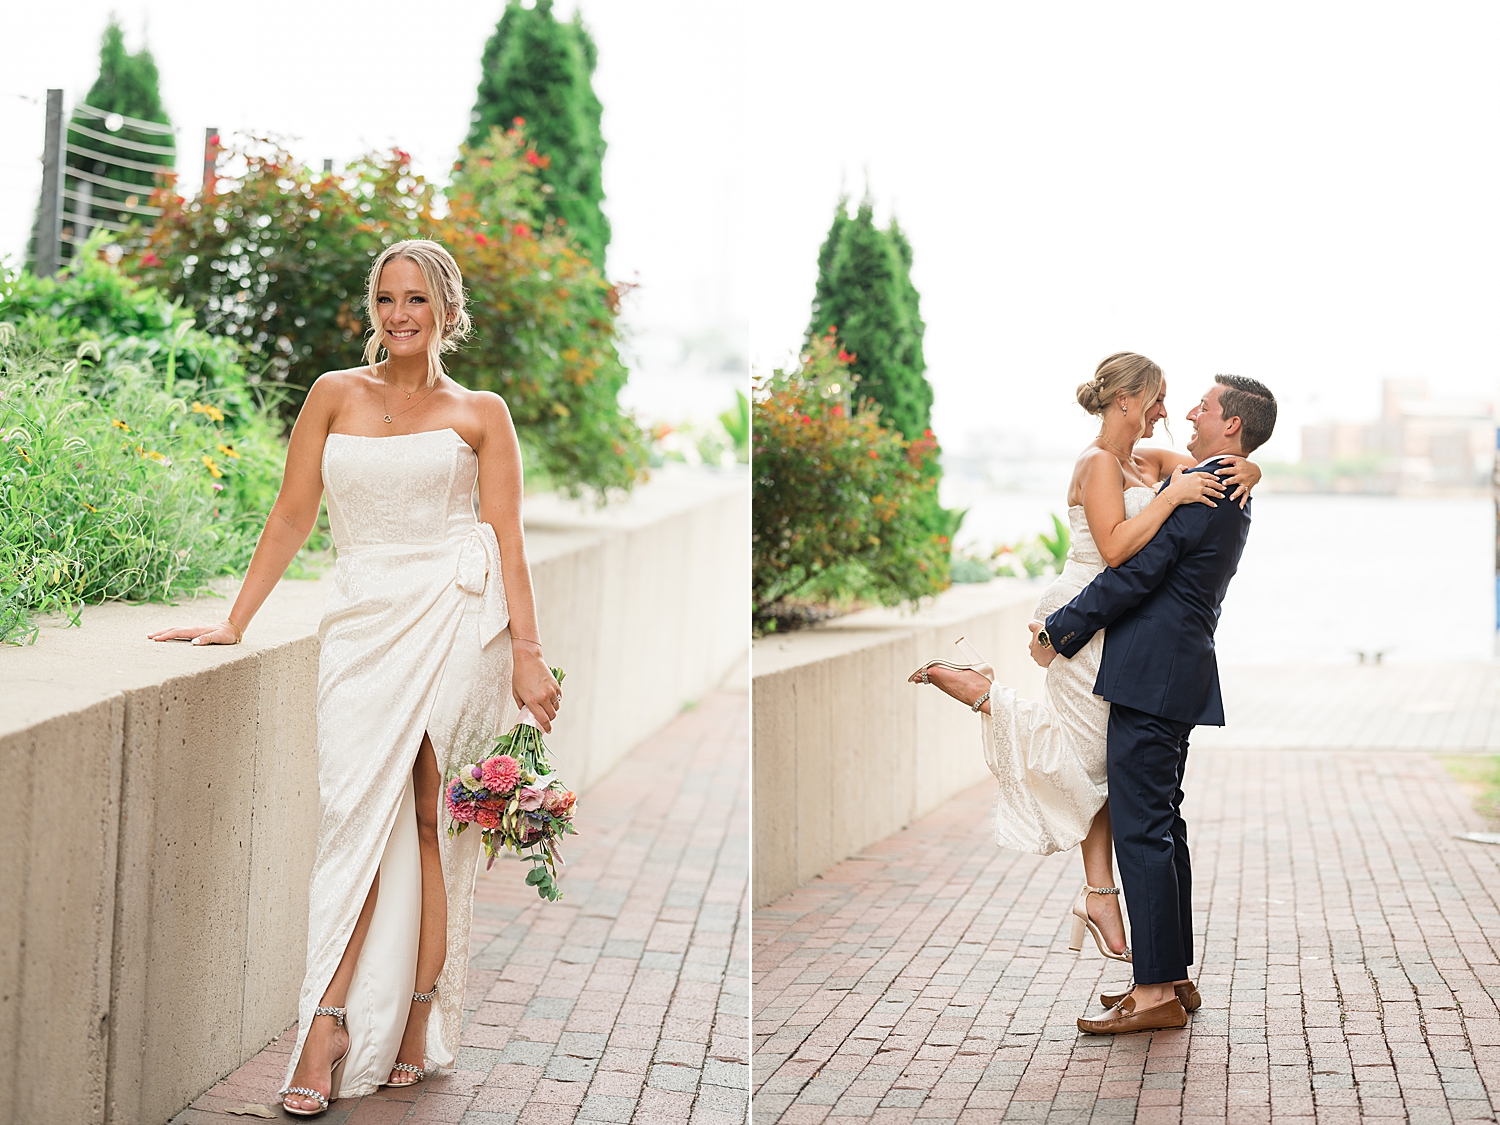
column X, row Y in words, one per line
column 626, row 1001
column 1347, row 962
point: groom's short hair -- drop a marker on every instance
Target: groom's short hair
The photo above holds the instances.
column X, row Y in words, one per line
column 1253, row 404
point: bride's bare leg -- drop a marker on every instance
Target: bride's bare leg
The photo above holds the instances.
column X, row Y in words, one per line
column 1099, row 871
column 962, row 686
column 325, row 1039
column 432, row 946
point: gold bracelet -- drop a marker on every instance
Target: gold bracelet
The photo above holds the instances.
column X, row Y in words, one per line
column 525, row 641
column 239, row 634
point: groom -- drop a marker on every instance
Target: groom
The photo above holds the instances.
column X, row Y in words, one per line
column 1160, row 677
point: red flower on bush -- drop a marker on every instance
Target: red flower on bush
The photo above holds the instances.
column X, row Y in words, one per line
column 149, row 258
column 838, row 500
column 521, row 230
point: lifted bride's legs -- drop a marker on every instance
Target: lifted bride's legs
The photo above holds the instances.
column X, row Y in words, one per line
column 327, row 1040
column 432, row 946
column 1099, row 871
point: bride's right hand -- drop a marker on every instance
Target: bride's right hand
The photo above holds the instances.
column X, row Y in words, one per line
column 224, row 633
column 1193, row 488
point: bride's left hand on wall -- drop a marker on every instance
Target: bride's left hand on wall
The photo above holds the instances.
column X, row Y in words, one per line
column 1241, row 475
column 221, row 634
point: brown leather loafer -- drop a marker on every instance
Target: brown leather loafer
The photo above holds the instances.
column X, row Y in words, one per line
column 1123, row 1018
column 1187, row 993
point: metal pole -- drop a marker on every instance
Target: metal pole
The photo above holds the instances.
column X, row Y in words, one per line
column 327, row 165
column 210, row 162
column 49, row 215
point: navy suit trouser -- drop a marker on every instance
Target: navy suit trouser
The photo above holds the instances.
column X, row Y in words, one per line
column 1147, row 755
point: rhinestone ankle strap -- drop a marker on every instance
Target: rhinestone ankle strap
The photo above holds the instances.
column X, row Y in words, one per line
column 425, row 997
column 336, row 1013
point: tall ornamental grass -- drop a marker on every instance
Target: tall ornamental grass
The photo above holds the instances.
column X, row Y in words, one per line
column 113, row 486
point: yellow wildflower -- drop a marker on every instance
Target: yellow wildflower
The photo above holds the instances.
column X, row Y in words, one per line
column 212, row 411
column 159, row 458
column 213, row 468
column 89, row 506
column 119, row 425
column 22, row 452
column 228, row 451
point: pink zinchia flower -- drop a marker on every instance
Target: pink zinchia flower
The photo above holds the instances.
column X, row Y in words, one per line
column 558, row 801
column 501, row 773
column 487, row 818
column 531, row 797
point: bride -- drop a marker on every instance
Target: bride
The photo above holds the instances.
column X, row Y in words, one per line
column 429, row 632
column 1049, row 755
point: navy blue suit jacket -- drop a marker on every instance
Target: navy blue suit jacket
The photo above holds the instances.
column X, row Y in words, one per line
column 1161, row 608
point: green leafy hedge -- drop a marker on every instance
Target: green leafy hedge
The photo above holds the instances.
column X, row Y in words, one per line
column 838, row 500
column 278, row 263
column 135, row 462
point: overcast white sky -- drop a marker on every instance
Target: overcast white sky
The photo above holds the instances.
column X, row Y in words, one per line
column 342, row 79
column 1300, row 192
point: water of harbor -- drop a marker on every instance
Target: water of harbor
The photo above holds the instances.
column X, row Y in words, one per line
column 1323, row 577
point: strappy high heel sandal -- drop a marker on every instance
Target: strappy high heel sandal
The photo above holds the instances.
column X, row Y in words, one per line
column 976, row 663
column 417, row 1072
column 333, row 1073
column 1082, row 921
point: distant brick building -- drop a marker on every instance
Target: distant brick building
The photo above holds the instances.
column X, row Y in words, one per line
column 1419, row 446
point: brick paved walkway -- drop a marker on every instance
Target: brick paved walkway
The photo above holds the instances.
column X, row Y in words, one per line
column 626, row 1001
column 1347, row 963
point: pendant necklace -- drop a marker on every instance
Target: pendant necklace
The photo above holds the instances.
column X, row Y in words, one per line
column 385, row 406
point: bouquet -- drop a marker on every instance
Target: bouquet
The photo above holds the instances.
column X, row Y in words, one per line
column 517, row 801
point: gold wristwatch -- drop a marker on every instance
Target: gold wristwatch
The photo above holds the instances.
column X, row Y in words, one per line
column 1043, row 638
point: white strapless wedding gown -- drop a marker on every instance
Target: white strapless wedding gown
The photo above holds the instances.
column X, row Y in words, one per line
column 414, row 638
column 1049, row 756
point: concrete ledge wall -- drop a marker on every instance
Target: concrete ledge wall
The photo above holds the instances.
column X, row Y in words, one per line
column 163, row 799
column 846, row 752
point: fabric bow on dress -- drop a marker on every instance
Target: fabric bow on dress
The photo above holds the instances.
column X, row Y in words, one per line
column 479, row 573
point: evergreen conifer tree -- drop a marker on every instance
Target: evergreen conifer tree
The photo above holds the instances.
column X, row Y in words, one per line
column 864, row 290
column 110, row 186
column 537, row 68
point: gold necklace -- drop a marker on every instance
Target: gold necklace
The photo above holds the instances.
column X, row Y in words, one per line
column 1115, row 449
column 385, row 406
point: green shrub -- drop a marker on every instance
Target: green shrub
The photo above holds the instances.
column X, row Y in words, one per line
column 112, row 485
column 838, row 500
column 278, row 264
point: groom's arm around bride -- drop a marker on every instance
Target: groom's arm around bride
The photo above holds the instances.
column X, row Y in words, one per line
column 1160, row 676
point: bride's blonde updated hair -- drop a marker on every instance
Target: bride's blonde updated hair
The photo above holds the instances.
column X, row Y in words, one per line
column 1122, row 372
column 445, row 289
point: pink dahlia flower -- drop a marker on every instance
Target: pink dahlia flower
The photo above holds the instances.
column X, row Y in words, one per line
column 459, row 808
column 501, row 774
